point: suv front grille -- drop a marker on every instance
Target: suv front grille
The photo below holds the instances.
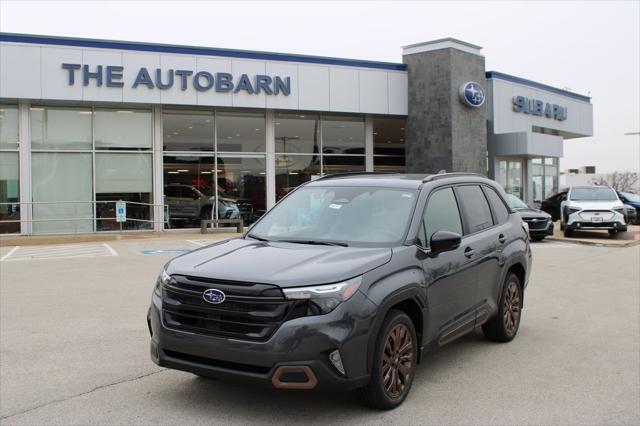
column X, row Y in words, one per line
column 251, row 311
column 536, row 224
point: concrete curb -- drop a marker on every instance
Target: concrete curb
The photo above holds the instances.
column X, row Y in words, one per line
column 35, row 240
column 594, row 243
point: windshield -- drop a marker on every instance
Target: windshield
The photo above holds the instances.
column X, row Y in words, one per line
column 593, row 194
column 515, row 202
column 631, row 197
column 360, row 215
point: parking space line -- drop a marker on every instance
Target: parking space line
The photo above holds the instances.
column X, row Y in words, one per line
column 60, row 252
column 6, row 256
column 113, row 252
column 197, row 243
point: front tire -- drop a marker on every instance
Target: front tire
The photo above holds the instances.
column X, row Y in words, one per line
column 394, row 363
column 568, row 232
column 504, row 326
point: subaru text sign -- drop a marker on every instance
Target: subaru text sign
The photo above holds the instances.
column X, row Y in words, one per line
column 539, row 108
column 472, row 94
column 202, row 81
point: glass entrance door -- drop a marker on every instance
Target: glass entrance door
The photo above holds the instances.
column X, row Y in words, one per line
column 510, row 176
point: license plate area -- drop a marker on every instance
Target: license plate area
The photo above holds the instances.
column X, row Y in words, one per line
column 596, row 219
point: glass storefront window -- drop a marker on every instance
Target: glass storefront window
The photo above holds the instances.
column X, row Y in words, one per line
column 8, row 126
column 9, row 192
column 123, row 129
column 189, row 191
column 241, row 131
column 294, row 170
column 242, row 187
column 188, row 131
column 125, row 177
column 62, row 192
column 387, row 164
column 61, row 128
column 544, row 173
column 297, row 133
column 388, row 136
column 332, row 164
column 342, row 135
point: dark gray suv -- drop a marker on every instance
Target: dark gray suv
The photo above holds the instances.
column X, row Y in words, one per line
column 344, row 285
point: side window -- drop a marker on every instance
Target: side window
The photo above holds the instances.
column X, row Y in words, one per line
column 497, row 205
column 172, row 191
column 475, row 208
column 441, row 214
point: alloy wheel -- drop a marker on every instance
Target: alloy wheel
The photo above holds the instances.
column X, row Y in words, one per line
column 512, row 307
column 397, row 361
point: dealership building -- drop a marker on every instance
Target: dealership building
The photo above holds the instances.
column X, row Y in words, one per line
column 180, row 133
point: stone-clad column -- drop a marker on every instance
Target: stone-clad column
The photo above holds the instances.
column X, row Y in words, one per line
column 444, row 132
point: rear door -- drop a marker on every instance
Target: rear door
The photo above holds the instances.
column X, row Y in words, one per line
column 481, row 240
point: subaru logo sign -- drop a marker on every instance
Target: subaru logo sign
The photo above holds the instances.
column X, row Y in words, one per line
column 472, row 94
column 214, row 296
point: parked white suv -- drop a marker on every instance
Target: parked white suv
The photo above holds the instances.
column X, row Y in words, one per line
column 592, row 207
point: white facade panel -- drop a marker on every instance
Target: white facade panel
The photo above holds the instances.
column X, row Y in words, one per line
column 132, row 63
column 374, row 97
column 213, row 66
column 242, row 98
column 177, row 93
column 20, row 72
column 284, row 69
column 398, row 93
column 34, row 71
column 313, row 87
column 579, row 120
column 92, row 91
column 344, row 93
column 55, row 79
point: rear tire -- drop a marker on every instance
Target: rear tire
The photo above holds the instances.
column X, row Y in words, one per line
column 394, row 364
column 504, row 326
column 536, row 239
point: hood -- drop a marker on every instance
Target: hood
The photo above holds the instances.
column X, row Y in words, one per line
column 533, row 213
column 595, row 205
column 282, row 264
column 635, row 204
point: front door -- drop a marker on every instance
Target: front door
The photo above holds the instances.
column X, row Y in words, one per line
column 451, row 284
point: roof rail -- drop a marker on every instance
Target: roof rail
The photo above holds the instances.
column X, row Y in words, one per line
column 442, row 174
column 351, row 174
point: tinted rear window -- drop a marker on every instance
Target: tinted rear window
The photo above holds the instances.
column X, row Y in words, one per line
column 475, row 208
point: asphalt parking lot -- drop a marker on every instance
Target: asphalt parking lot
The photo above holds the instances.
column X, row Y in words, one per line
column 74, row 349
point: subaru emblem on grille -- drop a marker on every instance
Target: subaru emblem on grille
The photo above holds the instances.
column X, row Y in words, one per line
column 213, row 295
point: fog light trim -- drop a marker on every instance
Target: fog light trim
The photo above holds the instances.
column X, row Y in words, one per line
column 336, row 360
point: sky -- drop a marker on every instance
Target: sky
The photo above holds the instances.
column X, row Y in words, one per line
column 589, row 47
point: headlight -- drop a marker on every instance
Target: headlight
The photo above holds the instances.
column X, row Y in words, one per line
column 572, row 210
column 620, row 210
column 324, row 298
column 163, row 279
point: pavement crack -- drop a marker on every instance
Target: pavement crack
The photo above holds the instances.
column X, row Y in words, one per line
column 97, row 388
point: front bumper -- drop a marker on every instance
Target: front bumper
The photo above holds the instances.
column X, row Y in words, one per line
column 302, row 342
column 605, row 219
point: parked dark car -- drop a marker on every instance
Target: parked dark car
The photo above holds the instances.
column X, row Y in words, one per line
column 345, row 284
column 539, row 222
column 552, row 205
column 632, row 200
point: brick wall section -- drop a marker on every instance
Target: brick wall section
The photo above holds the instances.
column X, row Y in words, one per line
column 441, row 132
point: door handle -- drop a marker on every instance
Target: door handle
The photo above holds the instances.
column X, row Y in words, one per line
column 502, row 238
column 469, row 252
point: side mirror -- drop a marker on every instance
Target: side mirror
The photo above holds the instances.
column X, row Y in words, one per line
column 442, row 241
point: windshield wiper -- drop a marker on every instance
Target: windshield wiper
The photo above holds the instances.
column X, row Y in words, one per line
column 319, row 243
column 255, row 237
